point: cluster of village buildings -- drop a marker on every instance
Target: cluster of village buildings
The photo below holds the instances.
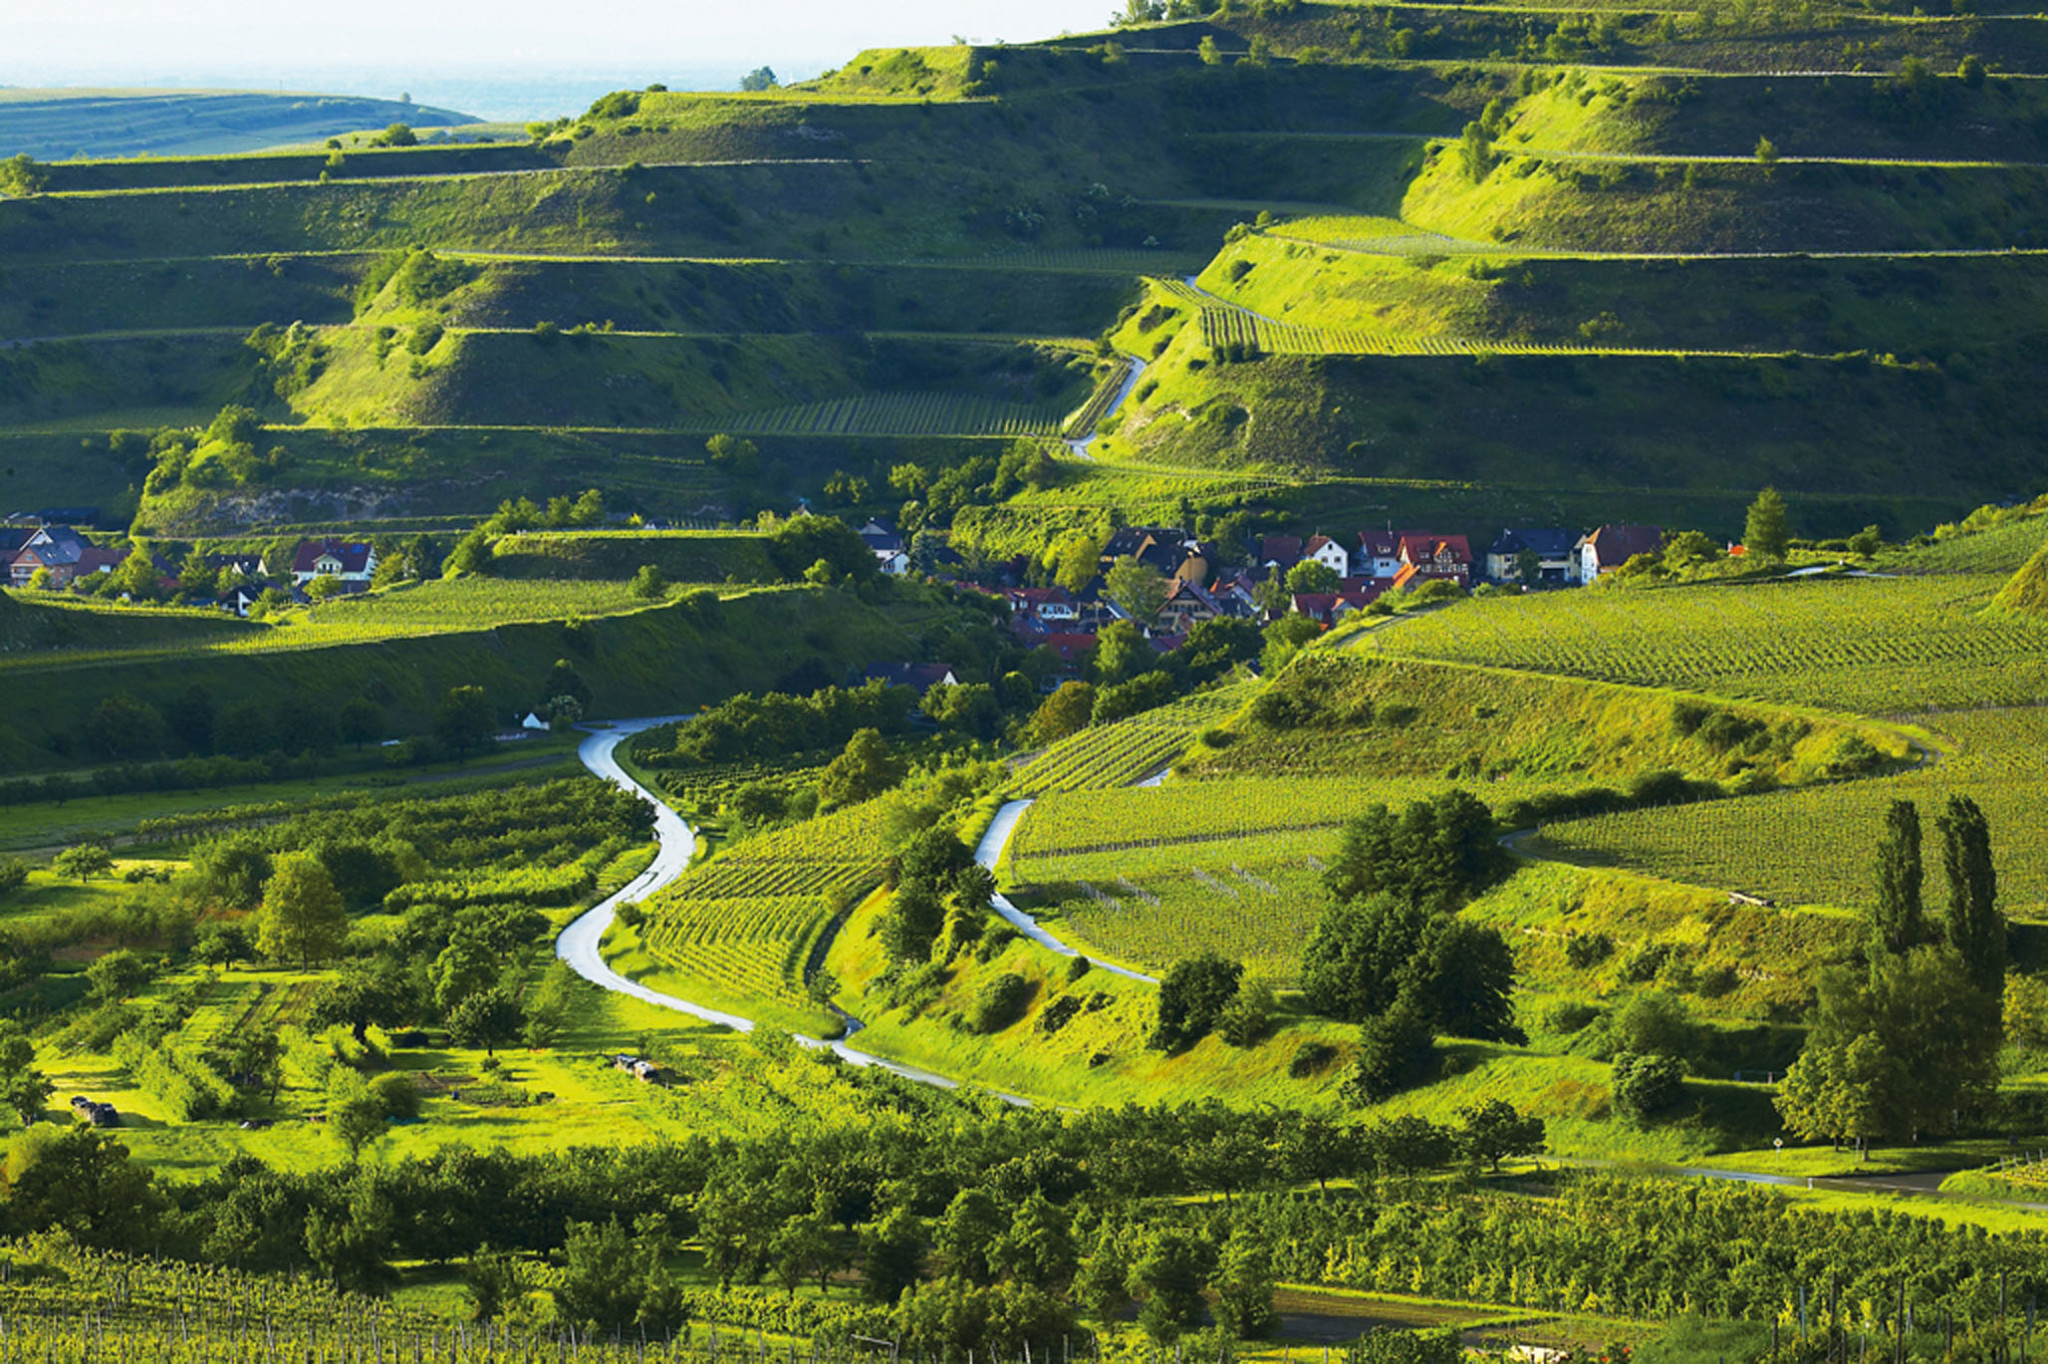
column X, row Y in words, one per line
column 1363, row 567
column 59, row 557
column 1202, row 584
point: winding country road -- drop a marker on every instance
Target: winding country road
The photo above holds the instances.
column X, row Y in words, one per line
column 581, row 942
column 579, row 946
column 989, row 851
column 1078, row 447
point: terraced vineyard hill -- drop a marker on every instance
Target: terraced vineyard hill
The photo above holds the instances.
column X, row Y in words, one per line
column 1556, row 259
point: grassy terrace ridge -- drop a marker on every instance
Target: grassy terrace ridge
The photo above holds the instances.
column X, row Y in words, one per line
column 58, row 123
column 639, row 661
column 1848, row 644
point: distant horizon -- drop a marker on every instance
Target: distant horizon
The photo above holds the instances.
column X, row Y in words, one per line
column 431, row 49
column 500, row 94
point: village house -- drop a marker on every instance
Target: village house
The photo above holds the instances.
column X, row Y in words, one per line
column 1069, row 652
column 1422, row 556
column 1233, row 596
column 242, row 565
column 1553, row 549
column 1041, row 609
column 56, row 548
column 1280, row 552
column 1609, row 547
column 1168, row 550
column 887, row 546
column 1378, row 554
column 1329, row 553
column 921, row 676
column 341, row 560
column 1187, row 606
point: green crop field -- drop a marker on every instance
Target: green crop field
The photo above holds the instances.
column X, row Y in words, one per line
column 2000, row 549
column 459, row 606
column 1259, row 914
column 736, row 931
column 1274, row 270
column 1878, row 646
column 1152, row 822
column 1812, row 846
column 894, row 414
column 1128, row 750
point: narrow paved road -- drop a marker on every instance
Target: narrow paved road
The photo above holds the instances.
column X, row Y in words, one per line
column 989, row 851
column 580, row 943
column 676, row 842
column 1079, row 447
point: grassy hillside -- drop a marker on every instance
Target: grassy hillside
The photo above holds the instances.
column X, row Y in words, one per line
column 57, row 124
column 2027, row 592
column 1842, row 643
column 885, row 252
column 406, row 652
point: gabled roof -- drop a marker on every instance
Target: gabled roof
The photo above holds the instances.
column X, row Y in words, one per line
column 1040, row 596
column 1379, row 544
column 1420, row 548
column 1316, row 542
column 1185, row 592
column 922, row 676
column 50, row 553
column 1548, row 542
column 1163, row 643
column 354, row 557
column 12, row 538
column 93, row 559
column 1067, row 647
column 881, row 537
column 1279, row 549
column 1616, row 545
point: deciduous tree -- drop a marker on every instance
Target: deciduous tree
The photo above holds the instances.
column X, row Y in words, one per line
column 301, row 917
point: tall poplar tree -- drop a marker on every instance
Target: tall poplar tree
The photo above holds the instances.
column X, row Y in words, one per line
column 1976, row 930
column 1899, row 920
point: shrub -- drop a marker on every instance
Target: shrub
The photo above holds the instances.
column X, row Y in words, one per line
column 1395, row 1051
column 1247, row 1019
column 1077, row 968
column 1584, row 950
column 1311, row 1059
column 1059, row 1013
column 1569, row 1016
column 1192, row 998
column 1645, row 1083
column 1000, row 1002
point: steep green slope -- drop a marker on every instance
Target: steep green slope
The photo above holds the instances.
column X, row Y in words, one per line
column 2028, row 590
column 48, row 124
column 883, row 254
column 669, row 658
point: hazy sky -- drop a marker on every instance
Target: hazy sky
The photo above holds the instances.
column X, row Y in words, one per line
column 258, row 42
